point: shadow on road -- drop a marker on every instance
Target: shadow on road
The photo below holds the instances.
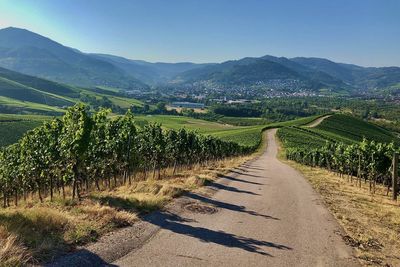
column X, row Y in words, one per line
column 79, row 258
column 175, row 224
column 230, row 188
column 245, row 173
column 239, row 180
column 228, row 206
column 249, row 167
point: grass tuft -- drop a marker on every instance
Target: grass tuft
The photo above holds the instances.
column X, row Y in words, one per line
column 12, row 252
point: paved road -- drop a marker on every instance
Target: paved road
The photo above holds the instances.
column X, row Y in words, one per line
column 266, row 215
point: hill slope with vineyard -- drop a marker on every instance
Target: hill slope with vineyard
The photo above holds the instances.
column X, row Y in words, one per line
column 336, row 128
column 346, row 146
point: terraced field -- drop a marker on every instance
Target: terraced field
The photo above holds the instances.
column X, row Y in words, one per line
column 336, row 128
column 12, row 127
column 353, row 129
column 299, row 137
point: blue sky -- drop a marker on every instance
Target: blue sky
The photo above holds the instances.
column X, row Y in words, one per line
column 364, row 32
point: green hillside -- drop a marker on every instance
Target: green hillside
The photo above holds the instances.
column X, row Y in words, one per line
column 353, row 129
column 44, row 85
column 30, row 53
column 20, row 93
column 12, row 127
column 336, row 128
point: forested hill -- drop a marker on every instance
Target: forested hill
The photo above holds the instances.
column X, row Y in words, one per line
column 267, row 71
column 295, row 74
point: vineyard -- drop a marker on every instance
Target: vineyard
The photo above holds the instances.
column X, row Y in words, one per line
column 86, row 152
column 82, row 151
column 344, row 145
column 13, row 127
column 354, row 130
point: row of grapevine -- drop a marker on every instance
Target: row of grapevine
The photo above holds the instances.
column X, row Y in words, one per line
column 368, row 160
column 81, row 151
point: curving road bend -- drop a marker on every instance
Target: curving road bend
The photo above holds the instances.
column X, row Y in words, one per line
column 317, row 122
column 264, row 214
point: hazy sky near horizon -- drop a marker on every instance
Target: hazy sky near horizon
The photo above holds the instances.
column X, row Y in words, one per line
column 364, row 32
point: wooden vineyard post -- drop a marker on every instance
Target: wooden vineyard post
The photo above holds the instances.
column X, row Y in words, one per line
column 395, row 175
column 359, row 169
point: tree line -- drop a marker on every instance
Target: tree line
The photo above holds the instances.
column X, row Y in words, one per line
column 85, row 151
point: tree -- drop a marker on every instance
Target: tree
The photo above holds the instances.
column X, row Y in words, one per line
column 161, row 107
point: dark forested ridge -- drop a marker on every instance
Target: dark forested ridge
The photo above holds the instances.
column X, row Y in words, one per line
column 297, row 74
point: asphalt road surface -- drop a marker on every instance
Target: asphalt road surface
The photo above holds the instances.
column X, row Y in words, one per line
column 264, row 214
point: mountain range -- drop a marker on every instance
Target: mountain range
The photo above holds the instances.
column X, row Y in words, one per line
column 32, row 54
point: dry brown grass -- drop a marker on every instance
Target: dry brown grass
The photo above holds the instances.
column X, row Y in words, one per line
column 12, row 252
column 51, row 228
column 37, row 232
column 371, row 221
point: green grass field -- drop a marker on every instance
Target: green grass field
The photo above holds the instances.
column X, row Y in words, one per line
column 29, row 107
column 19, row 117
column 243, row 121
column 112, row 95
column 177, row 122
column 247, row 136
